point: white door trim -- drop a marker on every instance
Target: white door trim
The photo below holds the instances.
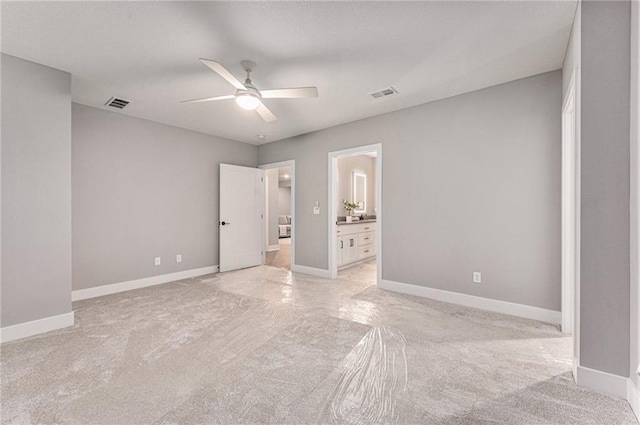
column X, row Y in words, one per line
column 291, row 163
column 569, row 208
column 333, row 202
column 265, row 221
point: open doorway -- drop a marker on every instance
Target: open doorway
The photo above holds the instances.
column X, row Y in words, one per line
column 279, row 214
column 570, row 219
column 355, row 225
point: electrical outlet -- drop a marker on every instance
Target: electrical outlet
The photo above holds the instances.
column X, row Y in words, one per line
column 158, row 261
column 477, row 277
column 179, row 258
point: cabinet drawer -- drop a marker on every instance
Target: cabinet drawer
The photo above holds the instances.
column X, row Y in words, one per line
column 365, row 251
column 350, row 229
column 365, row 238
column 368, row 227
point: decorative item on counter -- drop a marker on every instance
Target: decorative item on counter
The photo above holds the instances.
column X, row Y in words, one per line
column 349, row 206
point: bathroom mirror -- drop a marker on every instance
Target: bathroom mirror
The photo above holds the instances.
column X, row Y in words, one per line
column 359, row 191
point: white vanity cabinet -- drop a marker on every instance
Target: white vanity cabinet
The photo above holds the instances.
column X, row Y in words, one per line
column 355, row 242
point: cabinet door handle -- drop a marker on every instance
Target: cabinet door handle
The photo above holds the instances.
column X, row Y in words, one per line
column 351, row 242
column 366, row 251
column 341, row 244
column 366, row 228
column 366, row 239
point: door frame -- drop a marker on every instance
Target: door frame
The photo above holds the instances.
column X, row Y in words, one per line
column 570, row 211
column 333, row 203
column 290, row 163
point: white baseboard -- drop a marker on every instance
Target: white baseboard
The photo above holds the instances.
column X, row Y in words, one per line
column 98, row 291
column 311, row 271
column 505, row 307
column 271, row 248
column 35, row 327
column 602, row 382
column 606, row 383
column 355, row 263
column 633, row 396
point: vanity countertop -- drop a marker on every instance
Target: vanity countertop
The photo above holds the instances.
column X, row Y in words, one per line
column 369, row 220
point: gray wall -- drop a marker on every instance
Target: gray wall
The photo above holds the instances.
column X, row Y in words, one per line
column 36, row 191
column 605, row 267
column 635, row 194
column 143, row 189
column 470, row 183
column 346, row 166
column 273, row 205
column 284, row 200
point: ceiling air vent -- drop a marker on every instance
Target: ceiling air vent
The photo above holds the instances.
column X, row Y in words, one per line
column 117, row 103
column 384, row 92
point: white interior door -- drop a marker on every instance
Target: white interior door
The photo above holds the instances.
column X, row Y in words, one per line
column 241, row 212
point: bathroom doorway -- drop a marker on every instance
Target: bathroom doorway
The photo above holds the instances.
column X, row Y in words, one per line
column 355, row 219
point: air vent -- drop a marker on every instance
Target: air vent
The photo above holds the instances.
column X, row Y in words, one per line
column 384, row 92
column 117, row 103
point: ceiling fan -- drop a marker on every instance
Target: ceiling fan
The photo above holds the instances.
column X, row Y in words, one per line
column 247, row 96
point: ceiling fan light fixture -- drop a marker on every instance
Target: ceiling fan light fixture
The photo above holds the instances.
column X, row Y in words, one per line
column 248, row 101
column 247, row 96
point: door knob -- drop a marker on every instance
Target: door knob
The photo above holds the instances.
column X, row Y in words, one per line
column 225, row 223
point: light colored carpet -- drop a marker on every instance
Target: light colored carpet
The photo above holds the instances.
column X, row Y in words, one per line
column 363, row 272
column 281, row 258
column 264, row 345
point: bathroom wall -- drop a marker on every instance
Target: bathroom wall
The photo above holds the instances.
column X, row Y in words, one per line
column 346, row 166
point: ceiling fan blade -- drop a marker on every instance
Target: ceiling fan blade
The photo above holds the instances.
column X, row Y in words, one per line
column 265, row 113
column 221, row 70
column 209, row 99
column 299, row 92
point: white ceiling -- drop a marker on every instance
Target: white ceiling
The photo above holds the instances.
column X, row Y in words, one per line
column 147, row 52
